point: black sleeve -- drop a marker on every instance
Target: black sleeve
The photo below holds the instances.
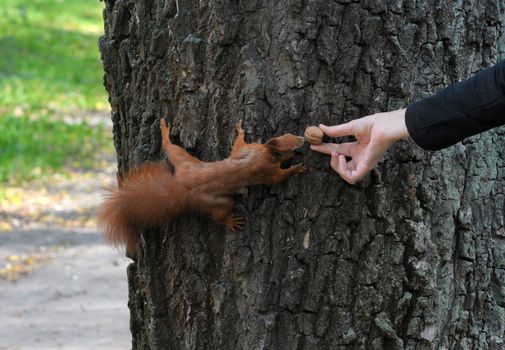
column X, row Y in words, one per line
column 460, row 110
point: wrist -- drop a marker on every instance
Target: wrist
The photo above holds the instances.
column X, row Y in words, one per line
column 394, row 124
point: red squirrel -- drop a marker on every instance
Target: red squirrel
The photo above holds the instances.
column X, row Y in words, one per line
column 152, row 195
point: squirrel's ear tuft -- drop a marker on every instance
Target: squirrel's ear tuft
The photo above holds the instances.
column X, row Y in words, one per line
column 273, row 146
column 273, row 143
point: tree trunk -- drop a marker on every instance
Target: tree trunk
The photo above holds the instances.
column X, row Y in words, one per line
column 412, row 257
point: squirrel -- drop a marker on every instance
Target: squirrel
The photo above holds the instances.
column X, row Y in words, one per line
column 152, row 194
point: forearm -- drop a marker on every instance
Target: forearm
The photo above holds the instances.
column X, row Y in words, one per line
column 460, row 110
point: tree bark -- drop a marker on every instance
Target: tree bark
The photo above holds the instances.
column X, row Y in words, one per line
column 412, row 257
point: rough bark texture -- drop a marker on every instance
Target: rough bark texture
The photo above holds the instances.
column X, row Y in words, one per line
column 413, row 257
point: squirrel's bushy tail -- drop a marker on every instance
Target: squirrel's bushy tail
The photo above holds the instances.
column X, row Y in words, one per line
column 146, row 197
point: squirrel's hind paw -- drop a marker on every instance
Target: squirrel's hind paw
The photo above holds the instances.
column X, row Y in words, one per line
column 236, row 223
column 164, row 126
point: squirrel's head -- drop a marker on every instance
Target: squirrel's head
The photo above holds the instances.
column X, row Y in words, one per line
column 284, row 147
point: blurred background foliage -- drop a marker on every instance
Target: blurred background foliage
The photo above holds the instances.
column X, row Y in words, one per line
column 53, row 106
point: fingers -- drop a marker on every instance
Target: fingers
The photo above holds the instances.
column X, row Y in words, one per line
column 341, row 148
column 337, row 130
column 349, row 171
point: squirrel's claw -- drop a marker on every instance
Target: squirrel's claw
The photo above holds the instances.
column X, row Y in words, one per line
column 235, row 223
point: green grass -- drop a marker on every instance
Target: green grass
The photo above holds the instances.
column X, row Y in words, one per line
column 49, row 69
column 32, row 148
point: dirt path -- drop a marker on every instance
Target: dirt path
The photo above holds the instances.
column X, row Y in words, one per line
column 61, row 287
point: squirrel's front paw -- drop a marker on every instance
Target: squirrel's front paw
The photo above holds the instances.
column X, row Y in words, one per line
column 239, row 128
column 299, row 168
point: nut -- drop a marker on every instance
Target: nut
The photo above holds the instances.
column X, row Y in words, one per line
column 314, row 135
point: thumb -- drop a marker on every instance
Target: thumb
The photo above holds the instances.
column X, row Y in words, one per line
column 337, row 130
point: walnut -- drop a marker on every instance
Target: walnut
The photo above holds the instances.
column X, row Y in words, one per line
column 314, row 135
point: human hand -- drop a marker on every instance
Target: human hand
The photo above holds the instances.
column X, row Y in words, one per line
column 374, row 135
